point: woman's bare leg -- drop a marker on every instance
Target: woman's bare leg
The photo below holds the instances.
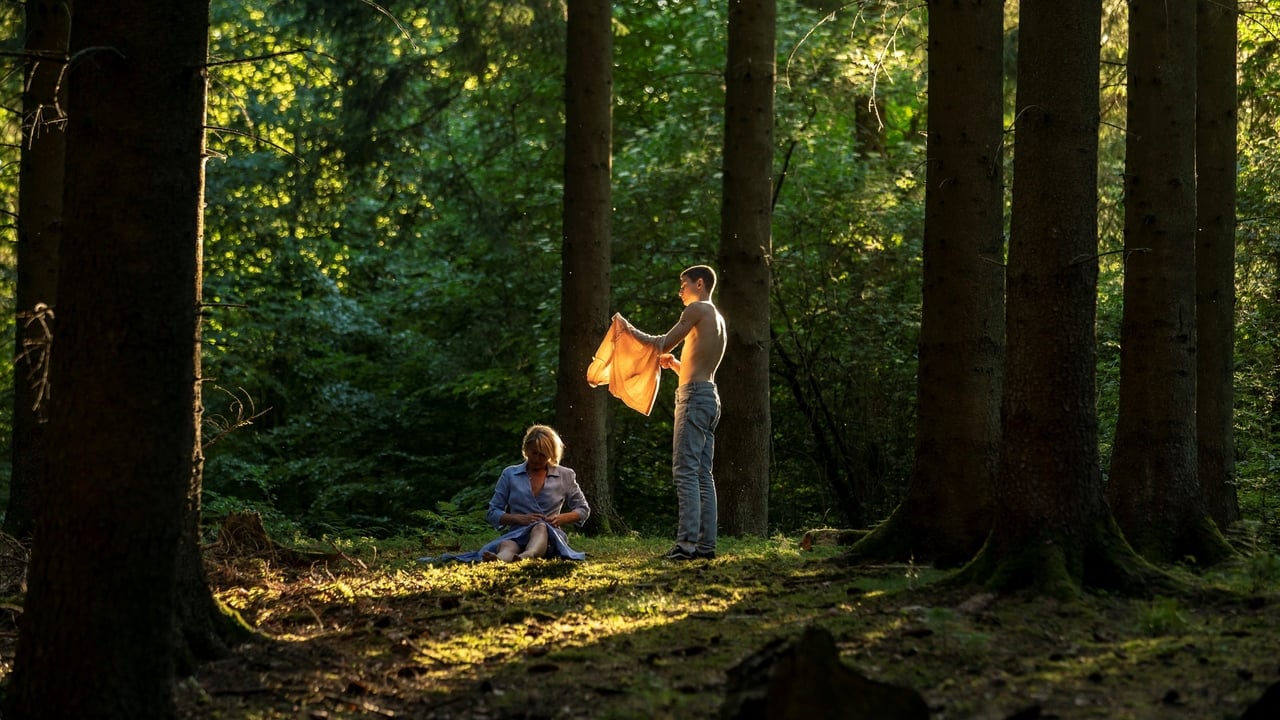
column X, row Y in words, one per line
column 507, row 550
column 537, row 546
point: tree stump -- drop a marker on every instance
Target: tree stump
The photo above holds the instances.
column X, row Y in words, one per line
column 1265, row 707
column 242, row 535
column 804, row 679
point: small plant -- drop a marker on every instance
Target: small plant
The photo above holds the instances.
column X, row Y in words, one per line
column 463, row 514
column 913, row 572
column 1163, row 616
column 1263, row 570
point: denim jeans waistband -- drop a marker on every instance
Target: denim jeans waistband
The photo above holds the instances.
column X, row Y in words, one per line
column 692, row 389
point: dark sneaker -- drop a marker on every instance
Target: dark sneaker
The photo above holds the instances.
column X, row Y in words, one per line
column 705, row 554
column 678, row 553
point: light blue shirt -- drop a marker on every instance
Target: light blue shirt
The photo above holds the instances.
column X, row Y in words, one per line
column 513, row 494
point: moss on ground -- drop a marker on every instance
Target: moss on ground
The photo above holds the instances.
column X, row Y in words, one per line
column 629, row 635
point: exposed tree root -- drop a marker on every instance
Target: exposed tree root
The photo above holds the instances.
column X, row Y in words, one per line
column 1200, row 543
column 14, row 558
column 1063, row 567
column 904, row 538
column 243, row 536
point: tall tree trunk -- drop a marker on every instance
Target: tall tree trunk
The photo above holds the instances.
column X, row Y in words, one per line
column 743, row 456
column 946, row 514
column 586, row 251
column 204, row 628
column 1153, row 487
column 1215, row 257
column 48, row 27
column 1052, row 528
column 97, row 634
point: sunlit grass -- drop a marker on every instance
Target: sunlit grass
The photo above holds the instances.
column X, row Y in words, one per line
column 630, row 634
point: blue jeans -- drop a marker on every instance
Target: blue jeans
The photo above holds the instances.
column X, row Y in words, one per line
column 693, row 445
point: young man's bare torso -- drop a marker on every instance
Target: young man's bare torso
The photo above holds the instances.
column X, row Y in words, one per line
column 700, row 327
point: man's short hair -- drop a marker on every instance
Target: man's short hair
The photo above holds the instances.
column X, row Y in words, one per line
column 703, row 273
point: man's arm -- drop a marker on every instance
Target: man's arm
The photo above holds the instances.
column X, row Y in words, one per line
column 675, row 336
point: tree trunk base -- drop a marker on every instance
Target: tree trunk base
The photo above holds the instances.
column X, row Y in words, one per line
column 900, row 538
column 1200, row 544
column 1063, row 567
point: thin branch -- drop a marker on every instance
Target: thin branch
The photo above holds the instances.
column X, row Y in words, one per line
column 268, row 56
column 1127, row 252
column 258, row 138
column 37, row 55
column 93, row 49
column 791, row 55
column 244, row 413
column 393, row 19
column 36, row 347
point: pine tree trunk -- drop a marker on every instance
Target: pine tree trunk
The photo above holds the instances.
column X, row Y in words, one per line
column 1052, row 530
column 743, row 457
column 584, row 311
column 39, row 233
column 1153, row 488
column 946, row 514
column 97, row 635
column 1215, row 257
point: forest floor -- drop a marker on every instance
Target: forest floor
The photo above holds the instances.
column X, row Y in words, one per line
column 627, row 634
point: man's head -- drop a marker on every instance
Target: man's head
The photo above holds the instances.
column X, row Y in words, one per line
column 698, row 281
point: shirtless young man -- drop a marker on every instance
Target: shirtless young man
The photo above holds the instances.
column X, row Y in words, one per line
column 701, row 328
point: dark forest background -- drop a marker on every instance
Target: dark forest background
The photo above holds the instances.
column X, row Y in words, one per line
column 382, row 250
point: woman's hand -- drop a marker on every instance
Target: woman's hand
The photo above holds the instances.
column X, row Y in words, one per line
column 522, row 519
column 559, row 519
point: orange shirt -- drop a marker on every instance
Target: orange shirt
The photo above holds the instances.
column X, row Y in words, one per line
column 628, row 366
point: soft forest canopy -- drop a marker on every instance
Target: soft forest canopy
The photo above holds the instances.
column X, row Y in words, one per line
column 999, row 284
column 382, row 236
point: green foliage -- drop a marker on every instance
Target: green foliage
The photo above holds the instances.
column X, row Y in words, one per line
column 462, row 515
column 1263, row 570
column 383, row 234
column 1163, row 616
column 388, row 290
column 11, row 78
column 363, row 286
column 216, row 506
column 396, row 318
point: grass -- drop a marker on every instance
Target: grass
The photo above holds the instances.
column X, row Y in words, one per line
column 628, row 635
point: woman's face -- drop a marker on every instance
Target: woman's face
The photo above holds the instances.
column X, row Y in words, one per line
column 537, row 459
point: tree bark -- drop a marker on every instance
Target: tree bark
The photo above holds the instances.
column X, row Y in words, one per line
column 742, row 459
column 97, row 634
column 1052, row 529
column 946, row 513
column 48, row 27
column 205, row 628
column 1215, row 257
column 1153, row 488
column 581, row 411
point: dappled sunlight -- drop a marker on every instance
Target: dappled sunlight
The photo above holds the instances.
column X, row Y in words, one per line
column 640, row 636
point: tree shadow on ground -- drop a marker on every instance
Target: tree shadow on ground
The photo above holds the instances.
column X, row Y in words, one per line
column 621, row 637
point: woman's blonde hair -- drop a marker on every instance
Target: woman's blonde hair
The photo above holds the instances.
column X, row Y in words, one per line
column 546, row 441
